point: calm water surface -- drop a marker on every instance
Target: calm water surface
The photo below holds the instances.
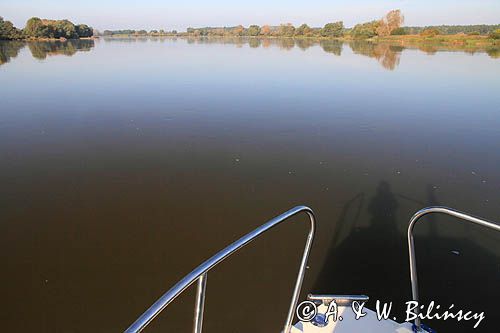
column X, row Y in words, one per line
column 125, row 163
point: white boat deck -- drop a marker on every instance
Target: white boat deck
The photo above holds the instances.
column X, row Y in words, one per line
column 349, row 324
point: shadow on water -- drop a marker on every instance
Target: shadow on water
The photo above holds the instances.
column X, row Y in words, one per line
column 348, row 269
column 447, row 264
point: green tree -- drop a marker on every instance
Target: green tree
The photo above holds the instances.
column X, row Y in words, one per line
column 335, row 29
column 253, row 30
column 35, row 28
column 8, row 31
column 84, row 30
column 429, row 32
column 399, row 31
column 286, row 30
column 303, row 30
column 365, row 30
column 64, row 29
column 495, row 34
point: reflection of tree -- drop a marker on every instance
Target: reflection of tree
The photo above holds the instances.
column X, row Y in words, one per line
column 286, row 43
column 254, row 42
column 332, row 46
column 266, row 42
column 387, row 55
column 429, row 49
column 40, row 50
column 494, row 52
column 9, row 50
column 304, row 43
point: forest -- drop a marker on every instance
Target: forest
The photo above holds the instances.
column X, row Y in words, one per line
column 389, row 25
column 37, row 28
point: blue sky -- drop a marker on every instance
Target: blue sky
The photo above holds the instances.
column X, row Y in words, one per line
column 157, row 14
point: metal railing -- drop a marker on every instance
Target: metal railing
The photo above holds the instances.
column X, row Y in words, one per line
column 200, row 274
column 411, row 244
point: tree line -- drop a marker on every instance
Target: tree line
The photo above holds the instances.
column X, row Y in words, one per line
column 41, row 28
column 131, row 32
column 477, row 29
column 333, row 29
column 390, row 24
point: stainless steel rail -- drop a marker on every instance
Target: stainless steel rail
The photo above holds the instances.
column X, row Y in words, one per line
column 200, row 274
column 411, row 243
column 342, row 300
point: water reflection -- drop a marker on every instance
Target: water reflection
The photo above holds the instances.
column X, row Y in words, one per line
column 9, row 50
column 388, row 55
column 332, row 46
column 166, row 148
column 304, row 44
column 41, row 50
column 494, row 52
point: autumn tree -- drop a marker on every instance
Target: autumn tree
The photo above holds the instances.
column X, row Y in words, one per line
column 392, row 21
column 265, row 30
column 238, row 30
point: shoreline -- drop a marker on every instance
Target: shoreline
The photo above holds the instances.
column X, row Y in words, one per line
column 456, row 40
column 452, row 40
column 43, row 39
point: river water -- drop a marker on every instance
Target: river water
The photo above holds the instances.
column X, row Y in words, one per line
column 127, row 162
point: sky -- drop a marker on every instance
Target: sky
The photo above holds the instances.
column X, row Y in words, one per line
column 178, row 15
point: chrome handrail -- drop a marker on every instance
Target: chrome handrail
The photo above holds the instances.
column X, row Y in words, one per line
column 200, row 274
column 411, row 243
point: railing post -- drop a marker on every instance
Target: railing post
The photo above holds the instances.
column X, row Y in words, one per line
column 200, row 274
column 301, row 274
column 199, row 305
column 411, row 244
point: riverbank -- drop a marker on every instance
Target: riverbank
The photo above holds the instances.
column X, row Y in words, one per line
column 449, row 40
column 458, row 40
column 44, row 39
